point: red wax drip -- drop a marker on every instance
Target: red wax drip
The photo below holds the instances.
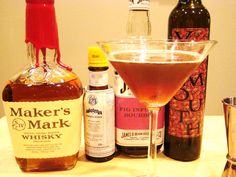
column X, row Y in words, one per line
column 43, row 50
column 41, row 28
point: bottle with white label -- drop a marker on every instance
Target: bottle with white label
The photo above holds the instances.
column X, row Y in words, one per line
column 99, row 113
column 43, row 103
column 132, row 118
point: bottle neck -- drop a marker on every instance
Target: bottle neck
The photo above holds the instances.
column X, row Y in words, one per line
column 42, row 57
column 138, row 23
column 190, row 2
column 41, row 30
column 98, row 78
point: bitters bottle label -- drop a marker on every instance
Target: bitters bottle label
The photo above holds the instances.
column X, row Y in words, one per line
column 99, row 122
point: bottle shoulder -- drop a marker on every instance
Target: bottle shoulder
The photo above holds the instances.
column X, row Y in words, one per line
column 188, row 10
column 138, row 23
column 182, row 16
column 50, row 86
column 98, row 78
column 44, row 74
column 97, row 69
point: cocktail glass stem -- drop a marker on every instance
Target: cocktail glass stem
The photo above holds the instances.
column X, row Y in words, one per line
column 152, row 149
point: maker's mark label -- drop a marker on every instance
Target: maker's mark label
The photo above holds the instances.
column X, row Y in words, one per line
column 44, row 129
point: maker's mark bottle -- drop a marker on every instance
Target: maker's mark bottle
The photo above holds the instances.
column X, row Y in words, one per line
column 189, row 20
column 43, row 103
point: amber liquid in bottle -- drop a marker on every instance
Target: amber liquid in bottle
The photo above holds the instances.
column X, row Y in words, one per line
column 192, row 18
column 19, row 92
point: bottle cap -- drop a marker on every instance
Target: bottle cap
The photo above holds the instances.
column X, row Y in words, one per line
column 40, row 1
column 139, row 4
column 96, row 58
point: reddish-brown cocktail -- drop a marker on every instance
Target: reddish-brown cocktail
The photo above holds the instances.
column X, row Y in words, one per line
column 155, row 79
column 154, row 70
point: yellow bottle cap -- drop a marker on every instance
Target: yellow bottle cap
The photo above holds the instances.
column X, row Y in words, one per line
column 96, row 58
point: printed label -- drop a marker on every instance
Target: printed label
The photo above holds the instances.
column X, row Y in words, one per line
column 99, row 116
column 139, row 4
column 137, row 137
column 121, row 89
column 132, row 118
column 98, row 78
column 187, row 106
column 44, row 129
column 196, row 34
column 132, row 123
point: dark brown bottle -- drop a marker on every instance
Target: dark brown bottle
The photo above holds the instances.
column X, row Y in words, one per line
column 99, row 114
column 189, row 20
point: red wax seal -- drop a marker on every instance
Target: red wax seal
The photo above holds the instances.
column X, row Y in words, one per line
column 41, row 27
column 40, row 1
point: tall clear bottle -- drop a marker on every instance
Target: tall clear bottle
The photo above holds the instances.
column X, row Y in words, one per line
column 189, row 20
column 139, row 24
column 132, row 138
column 43, row 103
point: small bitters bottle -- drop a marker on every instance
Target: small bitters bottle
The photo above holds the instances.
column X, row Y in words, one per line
column 99, row 113
column 43, row 103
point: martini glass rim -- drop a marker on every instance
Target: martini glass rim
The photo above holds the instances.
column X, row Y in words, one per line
column 153, row 41
column 147, row 46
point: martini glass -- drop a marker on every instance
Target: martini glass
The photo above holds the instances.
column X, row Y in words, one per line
column 154, row 70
